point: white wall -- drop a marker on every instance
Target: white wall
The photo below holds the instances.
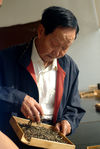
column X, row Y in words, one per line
column 85, row 50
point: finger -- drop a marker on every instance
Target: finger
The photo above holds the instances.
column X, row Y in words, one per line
column 36, row 114
column 31, row 102
column 26, row 111
column 57, row 127
column 39, row 108
column 64, row 128
column 31, row 106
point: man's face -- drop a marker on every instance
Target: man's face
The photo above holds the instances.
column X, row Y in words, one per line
column 55, row 44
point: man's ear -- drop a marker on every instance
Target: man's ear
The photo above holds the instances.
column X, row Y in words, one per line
column 41, row 31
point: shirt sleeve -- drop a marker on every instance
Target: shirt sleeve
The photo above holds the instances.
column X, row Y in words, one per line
column 11, row 97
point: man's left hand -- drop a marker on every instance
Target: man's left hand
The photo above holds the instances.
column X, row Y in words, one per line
column 63, row 127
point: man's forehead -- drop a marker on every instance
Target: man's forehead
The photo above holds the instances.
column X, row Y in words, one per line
column 64, row 34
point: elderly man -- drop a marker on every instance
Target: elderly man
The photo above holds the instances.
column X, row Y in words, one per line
column 38, row 79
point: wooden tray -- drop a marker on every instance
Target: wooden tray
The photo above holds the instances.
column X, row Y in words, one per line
column 90, row 93
column 93, row 147
column 35, row 141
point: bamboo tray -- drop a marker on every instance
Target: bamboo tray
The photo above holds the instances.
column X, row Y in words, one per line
column 35, row 141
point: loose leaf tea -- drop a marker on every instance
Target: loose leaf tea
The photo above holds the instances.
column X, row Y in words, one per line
column 41, row 133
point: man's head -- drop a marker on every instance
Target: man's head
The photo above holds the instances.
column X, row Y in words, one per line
column 54, row 17
column 57, row 31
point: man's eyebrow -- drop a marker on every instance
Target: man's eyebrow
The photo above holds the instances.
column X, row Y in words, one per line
column 70, row 39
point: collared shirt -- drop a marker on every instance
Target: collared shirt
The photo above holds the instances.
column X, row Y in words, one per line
column 46, row 82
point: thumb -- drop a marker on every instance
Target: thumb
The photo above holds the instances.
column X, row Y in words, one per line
column 57, row 127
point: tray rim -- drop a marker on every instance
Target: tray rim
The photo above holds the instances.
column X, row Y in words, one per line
column 14, row 120
column 93, row 147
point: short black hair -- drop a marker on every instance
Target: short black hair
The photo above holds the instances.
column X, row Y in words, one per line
column 55, row 16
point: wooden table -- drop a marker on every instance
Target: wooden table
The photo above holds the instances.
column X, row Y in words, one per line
column 88, row 132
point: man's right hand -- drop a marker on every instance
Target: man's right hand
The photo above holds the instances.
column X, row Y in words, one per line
column 31, row 109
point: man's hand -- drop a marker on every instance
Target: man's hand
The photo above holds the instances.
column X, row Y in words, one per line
column 63, row 127
column 31, row 109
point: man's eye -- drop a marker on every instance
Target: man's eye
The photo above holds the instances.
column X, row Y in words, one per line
column 55, row 43
column 64, row 48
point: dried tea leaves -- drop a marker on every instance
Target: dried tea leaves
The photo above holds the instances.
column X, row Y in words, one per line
column 41, row 133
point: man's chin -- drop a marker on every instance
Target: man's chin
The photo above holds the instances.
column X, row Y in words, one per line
column 48, row 60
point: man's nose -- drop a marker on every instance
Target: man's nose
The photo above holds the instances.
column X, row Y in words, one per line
column 56, row 53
